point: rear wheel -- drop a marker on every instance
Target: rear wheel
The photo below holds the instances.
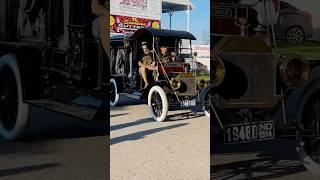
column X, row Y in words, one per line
column 114, row 95
column 202, row 72
column 158, row 103
column 309, row 144
column 14, row 114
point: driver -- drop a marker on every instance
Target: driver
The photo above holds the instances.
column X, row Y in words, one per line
column 145, row 63
column 165, row 55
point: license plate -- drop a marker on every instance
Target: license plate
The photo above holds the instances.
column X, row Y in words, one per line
column 188, row 103
column 249, row 132
column 222, row 12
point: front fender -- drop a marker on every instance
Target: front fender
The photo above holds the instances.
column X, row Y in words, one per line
column 298, row 98
column 203, row 93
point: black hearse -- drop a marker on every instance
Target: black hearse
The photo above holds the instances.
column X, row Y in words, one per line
column 50, row 59
column 172, row 84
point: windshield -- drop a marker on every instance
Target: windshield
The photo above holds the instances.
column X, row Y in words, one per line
column 179, row 49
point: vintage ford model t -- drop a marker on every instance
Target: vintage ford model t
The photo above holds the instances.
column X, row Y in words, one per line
column 50, row 59
column 255, row 93
column 172, row 84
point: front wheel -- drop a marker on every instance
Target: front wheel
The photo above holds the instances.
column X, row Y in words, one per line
column 309, row 144
column 206, row 106
column 158, row 103
column 14, row 114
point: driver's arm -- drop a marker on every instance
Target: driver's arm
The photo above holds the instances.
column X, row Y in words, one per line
column 98, row 9
column 141, row 64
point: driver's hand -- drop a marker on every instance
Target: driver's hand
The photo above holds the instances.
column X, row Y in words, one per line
column 150, row 67
column 140, row 64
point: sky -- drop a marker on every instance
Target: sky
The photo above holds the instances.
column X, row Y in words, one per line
column 200, row 17
column 199, row 20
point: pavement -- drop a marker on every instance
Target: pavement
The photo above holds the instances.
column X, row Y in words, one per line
column 142, row 149
column 57, row 148
column 275, row 159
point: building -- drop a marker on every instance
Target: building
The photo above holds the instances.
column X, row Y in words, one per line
column 128, row 16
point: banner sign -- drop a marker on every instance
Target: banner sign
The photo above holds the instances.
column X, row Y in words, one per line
column 126, row 24
column 130, row 15
column 147, row 9
column 202, row 50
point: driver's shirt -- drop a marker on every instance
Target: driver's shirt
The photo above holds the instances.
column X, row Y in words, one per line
column 146, row 59
column 166, row 58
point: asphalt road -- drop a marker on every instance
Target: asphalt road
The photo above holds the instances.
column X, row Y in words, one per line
column 276, row 159
column 57, row 148
column 142, row 149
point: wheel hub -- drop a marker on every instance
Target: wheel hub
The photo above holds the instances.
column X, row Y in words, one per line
column 156, row 104
column 8, row 99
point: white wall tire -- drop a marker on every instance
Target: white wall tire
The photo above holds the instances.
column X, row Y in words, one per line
column 158, row 103
column 114, row 95
column 14, row 114
column 206, row 112
column 206, row 107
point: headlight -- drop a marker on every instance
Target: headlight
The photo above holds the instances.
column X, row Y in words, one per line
column 175, row 84
column 217, row 71
column 294, row 70
column 202, row 83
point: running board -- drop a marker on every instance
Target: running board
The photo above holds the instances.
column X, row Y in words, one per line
column 80, row 112
column 131, row 96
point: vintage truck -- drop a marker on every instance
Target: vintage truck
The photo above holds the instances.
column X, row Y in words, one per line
column 172, row 84
column 49, row 59
column 257, row 94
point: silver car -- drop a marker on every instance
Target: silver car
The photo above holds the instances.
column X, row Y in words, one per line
column 294, row 25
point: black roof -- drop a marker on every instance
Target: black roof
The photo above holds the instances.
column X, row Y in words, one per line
column 163, row 33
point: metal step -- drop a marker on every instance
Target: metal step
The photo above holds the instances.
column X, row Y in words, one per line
column 84, row 113
column 135, row 96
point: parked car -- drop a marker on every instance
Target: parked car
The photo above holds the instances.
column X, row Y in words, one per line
column 294, row 25
column 172, row 84
column 49, row 59
column 200, row 68
column 256, row 94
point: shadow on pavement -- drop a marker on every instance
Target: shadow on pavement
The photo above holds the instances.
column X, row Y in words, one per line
column 118, row 115
column 142, row 134
column 184, row 116
column 266, row 160
column 20, row 170
column 170, row 118
column 130, row 124
column 46, row 125
column 262, row 168
column 124, row 102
